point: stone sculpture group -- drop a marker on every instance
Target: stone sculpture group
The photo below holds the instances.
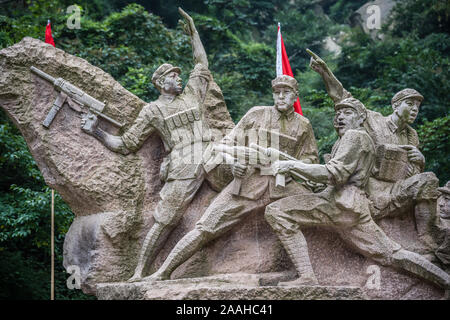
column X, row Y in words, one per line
column 370, row 191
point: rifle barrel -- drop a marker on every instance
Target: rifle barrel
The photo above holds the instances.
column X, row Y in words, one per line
column 42, row 74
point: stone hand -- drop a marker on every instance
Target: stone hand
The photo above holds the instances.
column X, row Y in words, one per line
column 239, row 170
column 282, row 167
column 188, row 24
column 89, row 123
column 316, row 63
column 414, row 155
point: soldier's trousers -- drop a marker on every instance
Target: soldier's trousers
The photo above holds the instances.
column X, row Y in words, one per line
column 395, row 198
column 175, row 198
column 288, row 215
column 223, row 213
column 417, row 194
column 176, row 195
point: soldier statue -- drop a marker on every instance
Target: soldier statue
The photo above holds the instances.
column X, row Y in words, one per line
column 343, row 205
column 397, row 183
column 443, row 251
column 177, row 116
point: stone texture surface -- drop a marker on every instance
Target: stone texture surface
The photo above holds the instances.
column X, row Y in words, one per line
column 113, row 196
column 225, row 287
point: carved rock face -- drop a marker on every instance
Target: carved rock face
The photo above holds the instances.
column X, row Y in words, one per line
column 408, row 109
column 284, row 97
column 346, row 119
column 444, row 206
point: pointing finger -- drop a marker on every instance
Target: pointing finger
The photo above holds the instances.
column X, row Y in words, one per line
column 312, row 54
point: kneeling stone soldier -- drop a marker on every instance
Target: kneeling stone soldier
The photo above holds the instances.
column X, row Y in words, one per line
column 296, row 138
column 344, row 205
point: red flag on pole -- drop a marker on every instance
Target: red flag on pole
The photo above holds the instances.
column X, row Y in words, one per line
column 283, row 66
column 48, row 34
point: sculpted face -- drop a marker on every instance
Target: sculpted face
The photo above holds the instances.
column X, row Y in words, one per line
column 408, row 109
column 284, row 98
column 346, row 119
column 172, row 83
column 444, row 205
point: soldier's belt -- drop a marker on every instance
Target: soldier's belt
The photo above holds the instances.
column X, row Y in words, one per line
column 181, row 119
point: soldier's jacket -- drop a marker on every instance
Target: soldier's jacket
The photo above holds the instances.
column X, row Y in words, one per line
column 383, row 131
column 352, row 160
column 180, row 124
column 265, row 123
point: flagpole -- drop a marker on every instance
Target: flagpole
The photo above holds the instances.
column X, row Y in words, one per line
column 52, row 245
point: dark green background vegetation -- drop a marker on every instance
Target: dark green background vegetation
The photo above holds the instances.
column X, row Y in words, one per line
column 130, row 40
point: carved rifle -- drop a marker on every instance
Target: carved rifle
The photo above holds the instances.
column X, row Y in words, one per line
column 254, row 156
column 274, row 155
column 240, row 154
column 75, row 98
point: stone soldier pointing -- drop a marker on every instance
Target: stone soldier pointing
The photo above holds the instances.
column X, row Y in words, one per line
column 398, row 182
column 343, row 205
column 177, row 116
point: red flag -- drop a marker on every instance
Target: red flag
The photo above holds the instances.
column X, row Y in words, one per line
column 48, row 34
column 283, row 66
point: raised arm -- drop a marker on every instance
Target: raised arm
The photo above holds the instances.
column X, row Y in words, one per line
column 334, row 87
column 197, row 47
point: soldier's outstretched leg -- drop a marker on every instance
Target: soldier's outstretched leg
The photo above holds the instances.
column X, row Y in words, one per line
column 426, row 222
column 157, row 234
column 224, row 212
column 371, row 241
column 420, row 266
column 184, row 249
column 286, row 218
column 175, row 197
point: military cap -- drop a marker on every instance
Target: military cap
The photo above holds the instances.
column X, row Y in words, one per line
column 352, row 103
column 162, row 71
column 445, row 189
column 285, row 80
column 406, row 93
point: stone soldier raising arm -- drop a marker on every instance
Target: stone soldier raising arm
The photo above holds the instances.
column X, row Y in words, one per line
column 393, row 189
column 177, row 116
column 343, row 206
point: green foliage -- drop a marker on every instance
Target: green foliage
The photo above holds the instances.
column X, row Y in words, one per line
column 296, row 42
column 394, row 64
column 25, row 224
column 433, row 136
column 421, row 17
column 341, row 10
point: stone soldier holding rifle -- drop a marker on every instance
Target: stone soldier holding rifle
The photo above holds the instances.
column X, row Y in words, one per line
column 295, row 138
column 343, row 205
column 397, row 183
